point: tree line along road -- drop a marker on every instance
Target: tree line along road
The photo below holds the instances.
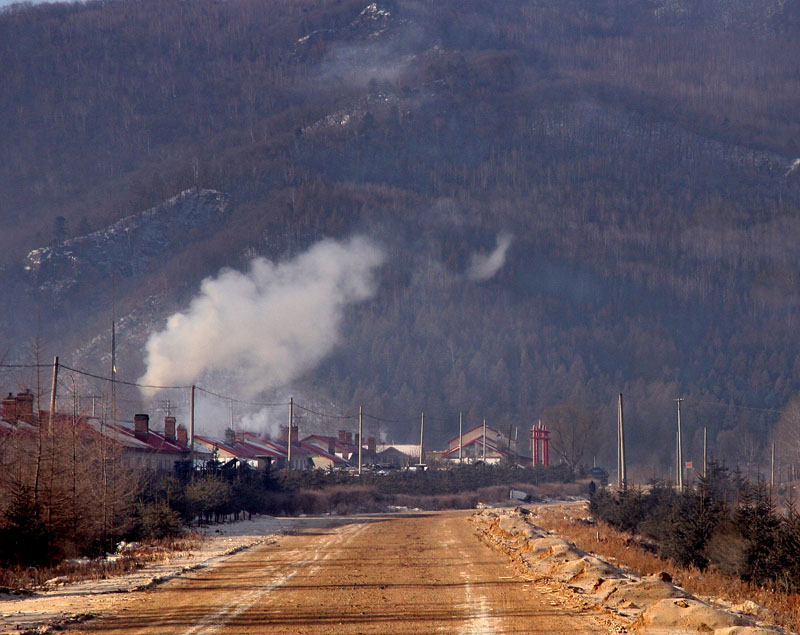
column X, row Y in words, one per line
column 413, row 573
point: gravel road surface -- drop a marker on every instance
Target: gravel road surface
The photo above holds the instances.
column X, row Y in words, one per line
column 414, row 573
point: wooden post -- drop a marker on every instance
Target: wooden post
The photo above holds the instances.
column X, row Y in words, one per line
column 460, row 437
column 484, row 440
column 289, row 438
column 705, row 452
column 191, row 429
column 53, row 394
column 113, row 371
column 680, row 448
column 772, row 468
column 421, row 440
column 622, row 473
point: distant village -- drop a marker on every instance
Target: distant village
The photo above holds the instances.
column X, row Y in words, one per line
column 143, row 443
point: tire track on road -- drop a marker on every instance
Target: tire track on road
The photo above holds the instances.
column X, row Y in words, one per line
column 213, row 622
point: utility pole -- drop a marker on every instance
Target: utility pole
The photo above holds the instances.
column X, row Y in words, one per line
column 460, row 437
column 289, row 439
column 484, row 441
column 622, row 472
column 705, row 452
column 421, row 440
column 360, row 435
column 772, row 469
column 53, row 393
column 191, row 429
column 113, row 371
column 94, row 399
column 680, row 447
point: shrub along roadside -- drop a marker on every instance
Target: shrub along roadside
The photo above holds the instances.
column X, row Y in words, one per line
column 722, row 523
column 163, row 503
column 617, row 546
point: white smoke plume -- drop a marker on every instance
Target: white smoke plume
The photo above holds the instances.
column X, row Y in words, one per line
column 485, row 266
column 265, row 327
column 266, row 421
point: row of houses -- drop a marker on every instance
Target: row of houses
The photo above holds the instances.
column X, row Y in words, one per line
column 160, row 447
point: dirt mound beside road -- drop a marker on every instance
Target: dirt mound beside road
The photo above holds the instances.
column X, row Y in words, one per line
column 652, row 605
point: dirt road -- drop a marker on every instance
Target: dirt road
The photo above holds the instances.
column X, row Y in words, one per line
column 420, row 573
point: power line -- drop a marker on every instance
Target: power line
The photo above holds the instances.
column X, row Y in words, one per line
column 310, row 410
column 323, row 414
column 732, row 405
column 376, row 418
column 242, row 401
column 120, row 381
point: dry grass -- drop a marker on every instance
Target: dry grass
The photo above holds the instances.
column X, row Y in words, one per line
column 569, row 522
column 21, row 579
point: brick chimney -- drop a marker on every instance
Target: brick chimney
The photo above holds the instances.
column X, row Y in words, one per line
column 230, row 436
column 141, row 425
column 169, row 428
column 183, row 435
column 239, row 436
column 342, row 436
column 295, row 434
column 25, row 406
column 284, row 434
column 371, row 444
column 10, row 408
column 348, row 438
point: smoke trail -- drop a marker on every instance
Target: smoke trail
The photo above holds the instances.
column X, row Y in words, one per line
column 263, row 328
column 483, row 266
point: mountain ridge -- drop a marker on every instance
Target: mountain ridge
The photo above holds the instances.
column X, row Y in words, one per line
column 641, row 160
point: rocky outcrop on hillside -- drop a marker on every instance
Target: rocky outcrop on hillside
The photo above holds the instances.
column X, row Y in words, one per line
column 130, row 247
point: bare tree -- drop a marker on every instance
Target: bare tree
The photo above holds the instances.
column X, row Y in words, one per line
column 572, row 430
column 786, row 435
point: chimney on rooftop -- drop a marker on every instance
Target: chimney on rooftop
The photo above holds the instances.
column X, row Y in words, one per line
column 10, row 408
column 349, row 438
column 371, row 445
column 25, row 406
column 141, row 425
column 230, row 436
column 284, row 434
column 169, row 428
column 342, row 436
column 183, row 436
column 295, row 434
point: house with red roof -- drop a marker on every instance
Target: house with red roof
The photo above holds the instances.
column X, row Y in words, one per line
column 144, row 447
column 481, row 443
column 134, row 442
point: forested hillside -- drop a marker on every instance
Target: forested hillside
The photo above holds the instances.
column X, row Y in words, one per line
column 642, row 156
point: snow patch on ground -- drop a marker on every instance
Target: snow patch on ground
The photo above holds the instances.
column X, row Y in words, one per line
column 53, row 608
column 651, row 604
